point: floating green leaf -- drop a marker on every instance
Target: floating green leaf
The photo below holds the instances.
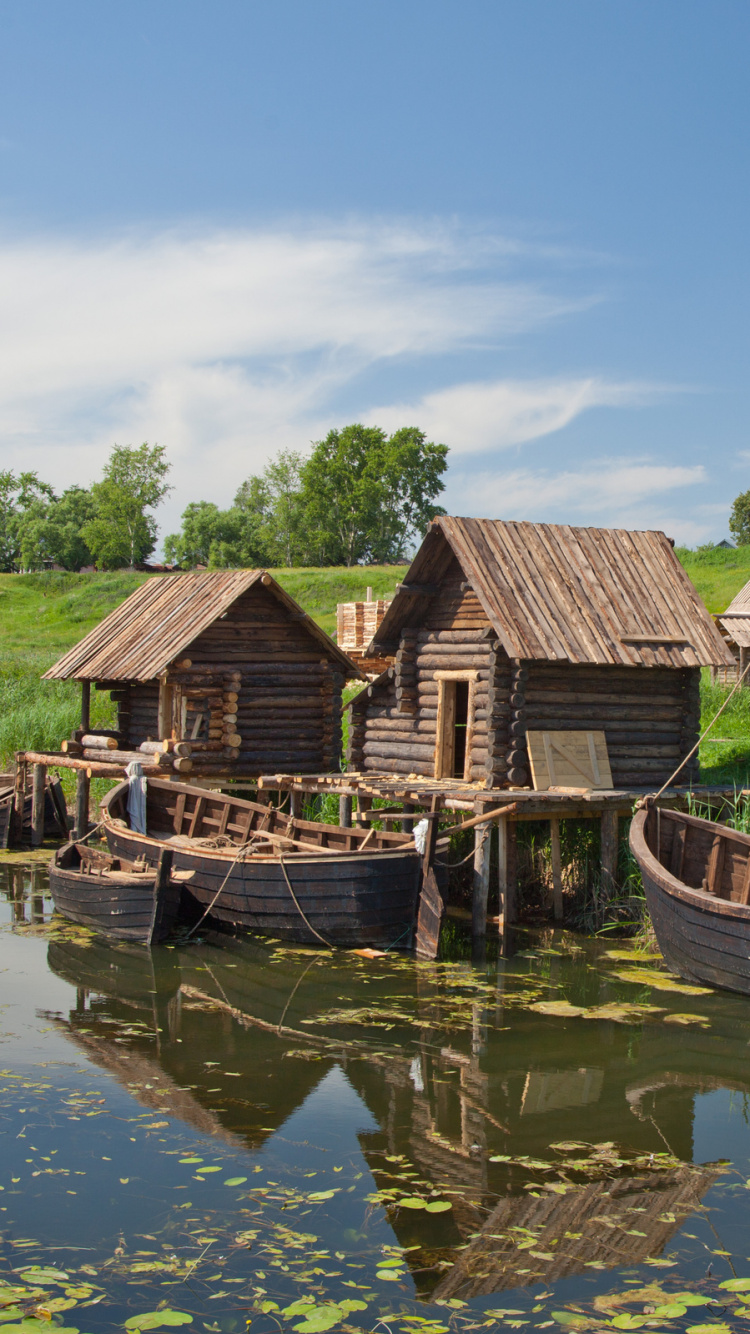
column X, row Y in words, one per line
column 561, row 1008
column 155, row 1319
column 438, row 1206
column 411, row 1202
column 671, row 1310
column 662, row 981
column 235, row 1181
column 40, row 1274
column 320, row 1318
column 736, row 1284
column 711, row 1327
column 208, row 1169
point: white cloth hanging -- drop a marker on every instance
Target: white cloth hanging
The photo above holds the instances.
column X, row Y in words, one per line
column 136, row 796
column 420, row 836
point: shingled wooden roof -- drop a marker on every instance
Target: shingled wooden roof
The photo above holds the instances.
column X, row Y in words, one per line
column 141, row 637
column 556, row 593
column 736, row 618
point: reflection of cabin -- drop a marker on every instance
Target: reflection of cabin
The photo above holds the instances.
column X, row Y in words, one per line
column 224, row 660
column 357, row 624
column 734, row 625
column 500, row 628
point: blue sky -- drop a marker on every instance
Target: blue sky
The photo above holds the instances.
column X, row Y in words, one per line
column 522, row 226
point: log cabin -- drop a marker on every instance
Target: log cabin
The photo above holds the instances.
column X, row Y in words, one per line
column 500, row 629
column 734, row 626
column 224, row 660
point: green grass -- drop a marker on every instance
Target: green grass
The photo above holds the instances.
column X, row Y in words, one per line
column 717, row 573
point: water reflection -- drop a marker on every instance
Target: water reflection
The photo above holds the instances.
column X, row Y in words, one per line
column 235, row 1036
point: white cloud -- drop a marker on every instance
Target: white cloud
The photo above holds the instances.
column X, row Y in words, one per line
column 226, row 346
column 608, row 493
column 497, row 414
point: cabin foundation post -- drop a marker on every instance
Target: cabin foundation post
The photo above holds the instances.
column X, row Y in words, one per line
column 406, row 824
column 295, row 803
column 557, row 898
column 609, row 852
column 743, row 663
column 85, row 706
column 37, row 805
column 83, row 784
column 364, row 804
column 345, row 812
column 506, row 877
column 481, row 885
column 19, row 798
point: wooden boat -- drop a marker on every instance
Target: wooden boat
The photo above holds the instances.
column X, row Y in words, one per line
column 123, row 898
column 255, row 868
column 696, row 875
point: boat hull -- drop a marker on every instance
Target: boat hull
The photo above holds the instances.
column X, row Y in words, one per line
column 703, row 938
column 344, row 900
column 124, row 906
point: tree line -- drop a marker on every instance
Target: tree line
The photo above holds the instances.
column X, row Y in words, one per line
column 359, row 496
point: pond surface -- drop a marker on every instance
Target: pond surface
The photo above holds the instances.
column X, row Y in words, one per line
column 232, row 1133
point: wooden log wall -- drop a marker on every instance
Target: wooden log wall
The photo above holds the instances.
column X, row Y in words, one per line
column 649, row 715
column 393, row 728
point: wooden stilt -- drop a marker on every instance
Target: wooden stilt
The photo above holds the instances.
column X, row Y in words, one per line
column 19, row 799
column 37, row 805
column 82, row 803
column 480, row 891
column 364, row 804
column 557, row 898
column 609, row 852
column 345, row 812
column 295, row 803
column 502, row 872
column 85, row 706
column 408, row 825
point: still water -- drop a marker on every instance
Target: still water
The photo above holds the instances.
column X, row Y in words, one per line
column 232, row 1133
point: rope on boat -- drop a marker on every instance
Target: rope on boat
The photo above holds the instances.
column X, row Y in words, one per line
column 243, row 850
column 327, row 943
column 690, row 753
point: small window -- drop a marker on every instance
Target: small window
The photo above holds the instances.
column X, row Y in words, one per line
column 455, row 724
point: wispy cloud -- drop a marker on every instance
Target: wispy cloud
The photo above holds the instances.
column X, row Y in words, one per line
column 497, row 414
column 609, row 492
column 227, row 345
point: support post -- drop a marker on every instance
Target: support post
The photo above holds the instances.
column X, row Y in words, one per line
column 364, row 804
column 295, row 803
column 83, row 783
column 481, row 884
column 345, row 812
column 37, row 805
column 506, row 881
column 408, row 825
column 609, row 853
column 19, row 798
column 557, row 897
column 743, row 664
column 85, row 706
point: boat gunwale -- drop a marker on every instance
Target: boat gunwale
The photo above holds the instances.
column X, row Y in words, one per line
column 699, row 899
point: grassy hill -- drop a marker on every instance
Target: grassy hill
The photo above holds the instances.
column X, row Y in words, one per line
column 41, row 615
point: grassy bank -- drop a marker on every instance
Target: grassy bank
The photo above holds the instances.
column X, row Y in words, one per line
column 717, row 573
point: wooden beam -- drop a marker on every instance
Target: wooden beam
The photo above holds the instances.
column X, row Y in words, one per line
column 481, row 881
column 83, row 786
column 557, row 897
column 609, row 851
column 37, row 805
column 85, row 706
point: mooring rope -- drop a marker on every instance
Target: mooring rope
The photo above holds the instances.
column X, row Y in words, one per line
column 309, row 926
column 244, row 849
column 690, row 753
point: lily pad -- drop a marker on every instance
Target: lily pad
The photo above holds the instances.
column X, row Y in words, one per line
column 562, row 1008
column 155, row 1319
column 42, row 1274
column 684, row 1020
column 661, row 981
column 736, row 1284
column 411, row 1202
column 438, row 1206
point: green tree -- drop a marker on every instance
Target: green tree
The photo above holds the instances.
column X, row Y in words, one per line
column 739, row 521
column 18, row 496
column 122, row 532
column 49, row 530
column 365, row 495
column 209, row 536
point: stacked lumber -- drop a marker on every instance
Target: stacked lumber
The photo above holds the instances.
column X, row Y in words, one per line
column 357, row 622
